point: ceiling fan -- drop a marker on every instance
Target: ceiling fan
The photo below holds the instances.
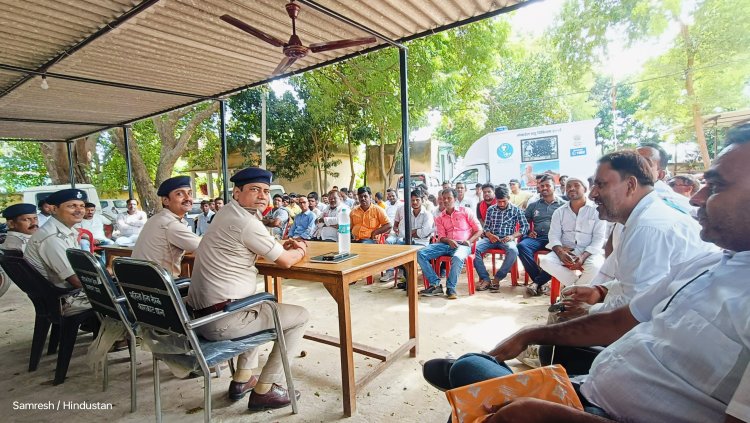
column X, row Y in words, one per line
column 293, row 49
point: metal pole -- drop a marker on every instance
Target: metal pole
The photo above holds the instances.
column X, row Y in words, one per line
column 71, row 171
column 402, row 62
column 224, row 160
column 128, row 165
column 263, row 95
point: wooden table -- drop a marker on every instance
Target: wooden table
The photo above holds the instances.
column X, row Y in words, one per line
column 373, row 258
column 114, row 251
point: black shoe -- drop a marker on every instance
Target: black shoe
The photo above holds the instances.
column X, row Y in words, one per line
column 432, row 291
column 238, row 390
column 401, row 285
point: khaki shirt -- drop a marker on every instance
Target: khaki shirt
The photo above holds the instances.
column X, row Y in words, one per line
column 520, row 200
column 46, row 251
column 164, row 239
column 225, row 261
column 15, row 241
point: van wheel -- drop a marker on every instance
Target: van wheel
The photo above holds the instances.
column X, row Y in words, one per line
column 4, row 282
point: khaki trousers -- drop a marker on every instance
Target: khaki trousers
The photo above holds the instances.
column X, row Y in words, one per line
column 293, row 320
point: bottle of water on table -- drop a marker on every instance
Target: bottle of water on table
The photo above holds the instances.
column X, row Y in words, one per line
column 345, row 236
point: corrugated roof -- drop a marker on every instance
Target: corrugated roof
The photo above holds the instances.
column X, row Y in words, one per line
column 179, row 48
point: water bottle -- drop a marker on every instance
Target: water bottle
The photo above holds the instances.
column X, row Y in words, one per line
column 345, row 236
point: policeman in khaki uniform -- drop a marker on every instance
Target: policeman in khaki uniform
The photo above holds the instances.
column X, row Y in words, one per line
column 46, row 248
column 225, row 271
column 165, row 237
column 22, row 223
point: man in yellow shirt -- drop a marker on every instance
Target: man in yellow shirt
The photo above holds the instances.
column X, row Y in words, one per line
column 518, row 197
column 368, row 222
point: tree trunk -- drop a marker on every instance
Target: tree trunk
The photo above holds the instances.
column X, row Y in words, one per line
column 56, row 160
column 144, row 186
column 695, row 107
column 351, row 156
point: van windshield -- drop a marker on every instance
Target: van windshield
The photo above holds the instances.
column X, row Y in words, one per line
column 415, row 180
column 121, row 204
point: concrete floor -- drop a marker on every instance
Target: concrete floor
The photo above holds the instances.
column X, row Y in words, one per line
column 469, row 324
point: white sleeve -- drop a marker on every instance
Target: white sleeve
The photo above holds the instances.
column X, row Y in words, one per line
column 739, row 406
column 555, row 229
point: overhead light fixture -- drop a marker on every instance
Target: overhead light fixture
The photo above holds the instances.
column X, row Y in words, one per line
column 44, row 85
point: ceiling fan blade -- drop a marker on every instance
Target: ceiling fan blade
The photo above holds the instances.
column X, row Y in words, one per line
column 332, row 45
column 284, row 65
column 252, row 31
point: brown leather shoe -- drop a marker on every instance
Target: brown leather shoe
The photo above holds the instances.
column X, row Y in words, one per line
column 237, row 390
column 277, row 397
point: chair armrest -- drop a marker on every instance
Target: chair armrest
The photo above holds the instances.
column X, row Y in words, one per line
column 231, row 308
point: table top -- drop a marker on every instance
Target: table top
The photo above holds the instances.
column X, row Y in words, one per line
column 368, row 255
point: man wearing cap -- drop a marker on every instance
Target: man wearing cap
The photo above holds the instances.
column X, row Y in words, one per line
column 576, row 237
column 166, row 237
column 46, row 248
column 131, row 221
column 22, row 223
column 225, row 271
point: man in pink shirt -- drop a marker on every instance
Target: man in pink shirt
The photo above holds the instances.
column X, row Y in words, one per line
column 457, row 229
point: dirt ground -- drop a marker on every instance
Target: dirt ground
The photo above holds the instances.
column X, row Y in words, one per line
column 469, row 324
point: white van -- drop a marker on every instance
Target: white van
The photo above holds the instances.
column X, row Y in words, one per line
column 32, row 195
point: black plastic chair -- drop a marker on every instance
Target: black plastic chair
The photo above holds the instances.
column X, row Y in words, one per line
column 155, row 303
column 106, row 300
column 46, row 299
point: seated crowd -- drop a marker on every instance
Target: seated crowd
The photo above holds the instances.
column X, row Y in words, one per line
column 645, row 279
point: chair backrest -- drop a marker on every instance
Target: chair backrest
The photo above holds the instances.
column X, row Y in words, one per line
column 152, row 296
column 96, row 283
column 92, row 242
column 44, row 295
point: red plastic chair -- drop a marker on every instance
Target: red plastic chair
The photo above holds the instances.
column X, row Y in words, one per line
column 554, row 290
column 513, row 268
column 469, row 265
column 92, row 242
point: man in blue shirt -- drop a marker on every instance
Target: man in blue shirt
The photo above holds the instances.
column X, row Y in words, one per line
column 503, row 225
column 304, row 222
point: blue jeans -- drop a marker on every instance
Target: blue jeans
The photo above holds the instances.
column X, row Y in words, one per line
column 526, row 249
column 511, row 252
column 439, row 249
column 366, row 241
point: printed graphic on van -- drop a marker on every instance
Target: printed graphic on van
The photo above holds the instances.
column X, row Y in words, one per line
column 530, row 170
column 537, row 149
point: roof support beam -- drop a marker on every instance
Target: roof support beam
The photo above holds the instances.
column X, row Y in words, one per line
column 103, row 30
column 52, row 122
column 31, row 73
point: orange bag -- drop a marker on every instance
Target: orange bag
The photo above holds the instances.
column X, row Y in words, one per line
column 550, row 383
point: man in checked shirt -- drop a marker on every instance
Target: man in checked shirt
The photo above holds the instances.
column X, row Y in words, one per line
column 503, row 225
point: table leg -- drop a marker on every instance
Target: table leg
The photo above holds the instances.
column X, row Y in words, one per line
column 267, row 283
column 340, row 293
column 411, row 269
column 277, row 288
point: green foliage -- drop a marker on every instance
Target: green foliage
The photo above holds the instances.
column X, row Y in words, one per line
column 22, row 166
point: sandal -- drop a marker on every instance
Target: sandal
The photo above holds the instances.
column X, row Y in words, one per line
column 494, row 286
column 483, row 285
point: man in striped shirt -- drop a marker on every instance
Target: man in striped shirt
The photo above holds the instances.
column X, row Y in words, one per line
column 503, row 225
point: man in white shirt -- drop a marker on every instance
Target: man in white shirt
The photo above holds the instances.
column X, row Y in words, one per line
column 45, row 211
column 328, row 222
column 92, row 222
column 679, row 351
column 392, row 203
column 204, row 218
column 655, row 237
column 463, row 200
column 131, row 221
column 576, row 238
column 659, row 161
